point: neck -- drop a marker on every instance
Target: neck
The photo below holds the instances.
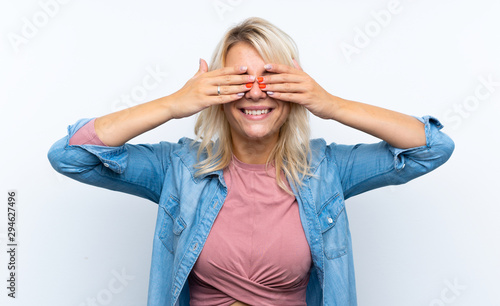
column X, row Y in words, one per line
column 253, row 151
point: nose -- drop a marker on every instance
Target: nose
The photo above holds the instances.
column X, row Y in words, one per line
column 255, row 93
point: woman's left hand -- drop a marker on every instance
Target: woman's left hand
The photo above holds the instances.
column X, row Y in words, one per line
column 294, row 85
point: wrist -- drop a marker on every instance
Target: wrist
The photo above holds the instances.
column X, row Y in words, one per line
column 167, row 107
column 336, row 104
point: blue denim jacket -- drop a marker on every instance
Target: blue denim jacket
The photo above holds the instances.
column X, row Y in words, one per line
column 188, row 205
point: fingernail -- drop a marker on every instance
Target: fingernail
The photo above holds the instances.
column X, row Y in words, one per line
column 262, row 85
column 260, row 79
column 270, row 93
column 268, row 66
column 240, row 94
column 252, row 78
column 249, row 85
column 243, row 68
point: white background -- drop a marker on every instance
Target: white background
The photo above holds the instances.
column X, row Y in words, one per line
column 411, row 242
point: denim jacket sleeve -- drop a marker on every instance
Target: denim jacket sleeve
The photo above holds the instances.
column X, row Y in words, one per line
column 363, row 167
column 133, row 169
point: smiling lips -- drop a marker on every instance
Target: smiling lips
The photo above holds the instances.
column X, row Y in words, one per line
column 256, row 110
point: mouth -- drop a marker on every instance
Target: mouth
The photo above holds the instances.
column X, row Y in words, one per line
column 256, row 112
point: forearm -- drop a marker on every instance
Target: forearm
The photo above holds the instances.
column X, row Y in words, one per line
column 117, row 128
column 397, row 129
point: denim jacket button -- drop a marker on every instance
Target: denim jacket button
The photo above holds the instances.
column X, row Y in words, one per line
column 330, row 220
column 106, row 165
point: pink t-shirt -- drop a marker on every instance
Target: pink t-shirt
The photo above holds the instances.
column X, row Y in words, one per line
column 256, row 251
column 86, row 135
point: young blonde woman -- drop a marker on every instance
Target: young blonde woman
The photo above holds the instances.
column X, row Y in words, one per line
column 252, row 212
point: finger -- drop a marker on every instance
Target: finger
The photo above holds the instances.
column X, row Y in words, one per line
column 287, row 96
column 203, row 67
column 281, row 78
column 232, row 79
column 280, row 68
column 226, row 90
column 283, row 88
column 296, row 64
column 222, row 99
column 228, row 71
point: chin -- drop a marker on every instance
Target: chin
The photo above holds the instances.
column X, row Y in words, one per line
column 256, row 135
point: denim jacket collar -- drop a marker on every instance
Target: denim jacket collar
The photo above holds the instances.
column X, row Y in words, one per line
column 187, row 152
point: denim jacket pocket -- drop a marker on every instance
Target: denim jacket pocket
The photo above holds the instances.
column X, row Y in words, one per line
column 173, row 224
column 333, row 222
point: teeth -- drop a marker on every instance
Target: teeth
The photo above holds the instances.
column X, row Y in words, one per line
column 256, row 112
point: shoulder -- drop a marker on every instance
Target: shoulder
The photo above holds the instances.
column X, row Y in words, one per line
column 317, row 143
column 187, row 150
column 318, row 148
column 187, row 146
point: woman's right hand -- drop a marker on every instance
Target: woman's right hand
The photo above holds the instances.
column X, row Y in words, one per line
column 200, row 91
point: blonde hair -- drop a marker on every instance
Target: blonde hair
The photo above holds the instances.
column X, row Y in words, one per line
column 291, row 152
